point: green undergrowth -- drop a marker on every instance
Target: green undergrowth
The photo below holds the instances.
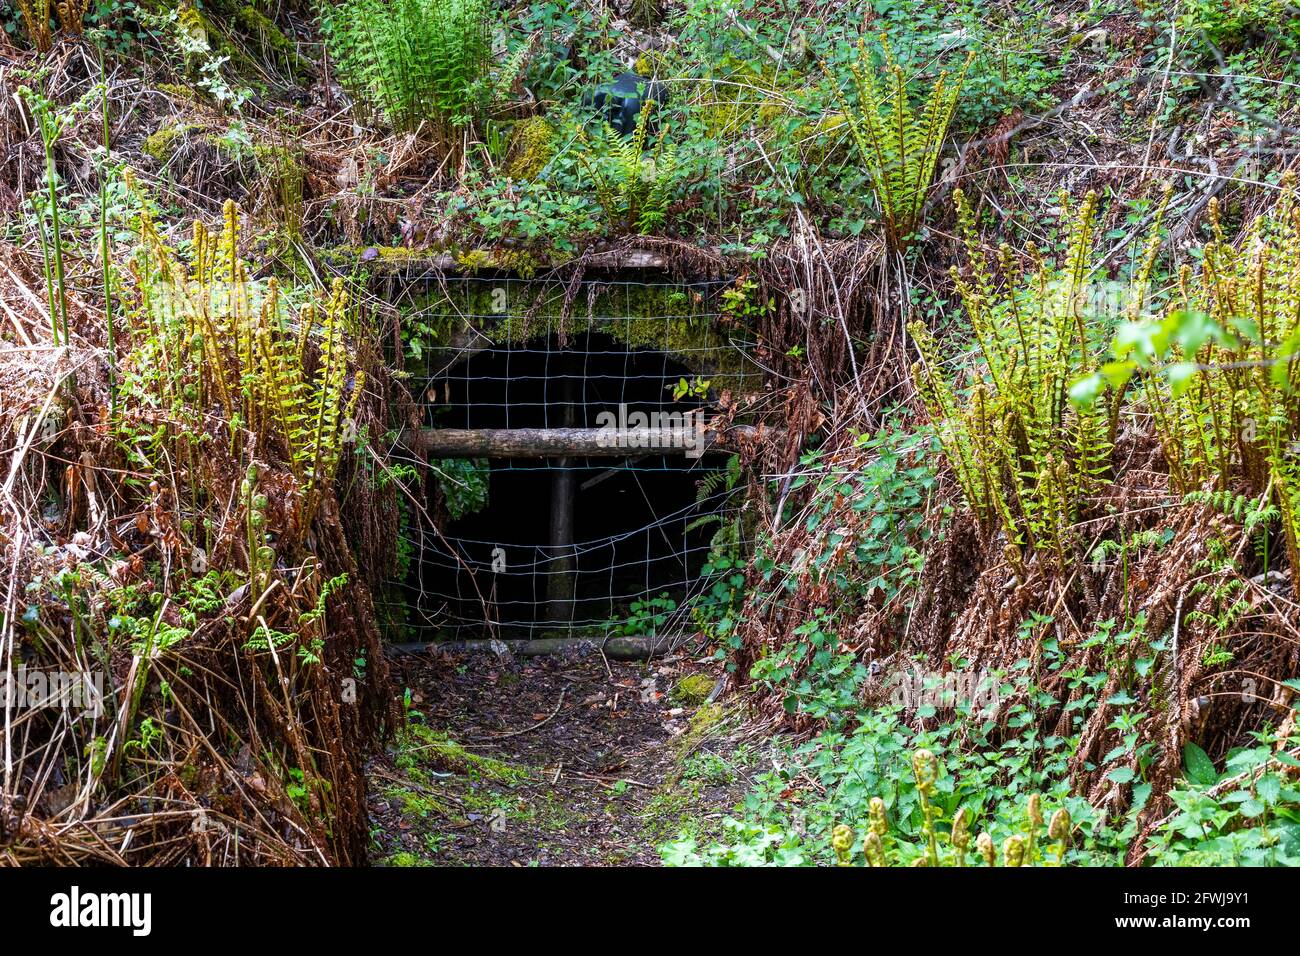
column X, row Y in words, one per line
column 993, row 774
column 439, row 784
column 831, row 780
column 983, row 800
column 705, row 781
column 422, row 752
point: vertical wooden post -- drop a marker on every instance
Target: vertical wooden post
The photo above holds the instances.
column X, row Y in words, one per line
column 561, row 580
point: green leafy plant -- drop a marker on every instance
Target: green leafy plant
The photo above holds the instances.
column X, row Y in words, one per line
column 714, row 609
column 1220, row 372
column 863, row 773
column 1228, row 25
column 1248, row 815
column 633, row 186
column 464, row 483
column 873, row 549
column 862, row 509
column 646, row 616
column 51, row 122
column 882, row 848
column 206, row 333
column 898, row 143
column 816, row 676
column 1025, row 456
column 418, row 62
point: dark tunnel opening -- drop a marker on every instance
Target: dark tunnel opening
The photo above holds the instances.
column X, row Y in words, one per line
column 636, row 519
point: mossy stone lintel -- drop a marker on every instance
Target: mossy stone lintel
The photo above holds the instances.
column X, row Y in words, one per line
column 678, row 320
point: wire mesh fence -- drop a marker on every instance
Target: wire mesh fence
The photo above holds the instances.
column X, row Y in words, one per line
column 598, row 542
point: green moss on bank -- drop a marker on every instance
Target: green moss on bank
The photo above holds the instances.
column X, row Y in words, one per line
column 692, row 690
column 532, row 144
column 421, row 749
column 162, row 144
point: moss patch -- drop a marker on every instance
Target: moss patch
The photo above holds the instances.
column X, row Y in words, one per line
column 678, row 320
column 415, row 803
column 693, row 689
column 263, row 29
column 532, row 144
column 162, row 144
column 405, row 859
column 422, row 748
column 706, row 721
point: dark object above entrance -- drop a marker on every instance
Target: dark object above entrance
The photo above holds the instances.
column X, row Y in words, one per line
column 620, row 102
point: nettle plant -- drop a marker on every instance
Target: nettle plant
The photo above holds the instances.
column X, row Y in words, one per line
column 997, row 774
column 866, row 552
column 935, row 847
column 1248, row 814
column 872, row 552
column 646, row 615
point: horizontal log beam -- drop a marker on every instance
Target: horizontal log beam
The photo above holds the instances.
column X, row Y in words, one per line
column 572, row 442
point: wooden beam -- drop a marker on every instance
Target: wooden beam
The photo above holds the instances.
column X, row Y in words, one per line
column 571, row 442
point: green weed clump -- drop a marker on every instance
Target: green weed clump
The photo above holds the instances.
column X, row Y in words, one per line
column 1027, row 458
column 976, row 811
column 1219, row 375
column 883, row 847
column 1230, row 25
column 416, row 62
column 633, row 187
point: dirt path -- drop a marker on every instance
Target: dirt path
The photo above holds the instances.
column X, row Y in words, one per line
column 552, row 761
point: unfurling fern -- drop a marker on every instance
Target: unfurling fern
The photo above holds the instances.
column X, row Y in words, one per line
column 1220, row 374
column 1219, row 592
column 1026, row 458
column 512, row 68
column 633, row 187
column 36, row 19
column 1123, row 549
column 886, row 843
column 1235, row 506
column 206, row 334
column 899, row 144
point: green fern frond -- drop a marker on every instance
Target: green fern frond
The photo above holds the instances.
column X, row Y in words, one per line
column 898, row 144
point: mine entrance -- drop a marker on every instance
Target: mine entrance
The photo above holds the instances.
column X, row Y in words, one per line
column 575, row 471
